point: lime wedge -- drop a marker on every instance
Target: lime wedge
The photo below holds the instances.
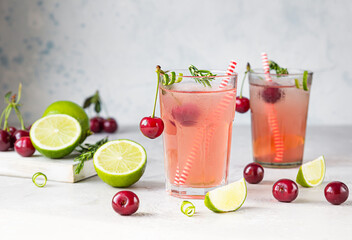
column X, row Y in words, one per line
column 120, row 163
column 55, row 136
column 227, row 198
column 312, row 173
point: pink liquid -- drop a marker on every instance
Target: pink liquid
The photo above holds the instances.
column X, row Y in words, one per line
column 197, row 124
column 291, row 114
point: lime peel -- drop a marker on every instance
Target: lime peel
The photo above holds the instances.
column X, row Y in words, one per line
column 312, row 174
column 188, row 208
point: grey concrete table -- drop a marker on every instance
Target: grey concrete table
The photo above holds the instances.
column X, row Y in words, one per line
column 83, row 210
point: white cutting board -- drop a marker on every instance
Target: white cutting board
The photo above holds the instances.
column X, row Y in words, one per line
column 61, row 170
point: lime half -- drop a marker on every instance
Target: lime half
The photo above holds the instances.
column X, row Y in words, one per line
column 312, row 173
column 120, row 163
column 55, row 136
column 72, row 109
column 227, row 198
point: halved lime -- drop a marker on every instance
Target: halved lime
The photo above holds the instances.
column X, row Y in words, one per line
column 227, row 198
column 55, row 136
column 72, row 109
column 312, row 173
column 120, row 163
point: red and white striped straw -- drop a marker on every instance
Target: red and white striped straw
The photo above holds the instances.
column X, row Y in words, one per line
column 181, row 179
column 272, row 116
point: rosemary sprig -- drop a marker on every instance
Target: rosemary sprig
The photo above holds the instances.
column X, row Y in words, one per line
column 201, row 73
column 274, row 66
column 87, row 151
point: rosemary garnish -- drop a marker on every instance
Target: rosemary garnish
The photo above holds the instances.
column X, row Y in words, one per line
column 87, row 152
column 171, row 78
column 274, row 66
column 201, row 73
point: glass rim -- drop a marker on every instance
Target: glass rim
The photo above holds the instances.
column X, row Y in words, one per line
column 221, row 72
column 260, row 71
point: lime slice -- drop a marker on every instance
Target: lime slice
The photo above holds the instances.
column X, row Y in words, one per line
column 120, row 163
column 227, row 198
column 72, row 109
column 55, row 136
column 312, row 173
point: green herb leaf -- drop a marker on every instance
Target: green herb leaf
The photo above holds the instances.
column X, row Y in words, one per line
column 87, row 102
column 274, row 66
column 201, row 73
column 87, row 152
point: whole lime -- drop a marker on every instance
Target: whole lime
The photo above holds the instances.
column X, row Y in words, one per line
column 72, row 109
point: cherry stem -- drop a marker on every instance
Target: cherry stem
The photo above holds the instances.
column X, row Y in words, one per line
column 158, row 70
column 244, row 78
column 13, row 103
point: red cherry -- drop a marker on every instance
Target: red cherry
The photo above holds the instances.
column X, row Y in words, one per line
column 271, row 94
column 94, row 125
column 11, row 130
column 24, row 147
column 125, row 202
column 285, row 190
column 151, row 127
column 110, row 125
column 186, row 114
column 336, row 192
column 242, row 104
column 19, row 133
column 253, row 173
column 5, row 140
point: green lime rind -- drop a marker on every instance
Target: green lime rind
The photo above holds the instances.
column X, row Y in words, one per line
column 172, row 78
column 122, row 179
column 305, row 80
column 210, row 205
column 179, row 78
column 74, row 110
column 56, row 153
column 166, row 79
column 297, row 83
column 301, row 179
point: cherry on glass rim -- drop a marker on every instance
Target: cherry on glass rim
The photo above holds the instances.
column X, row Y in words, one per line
column 253, row 173
column 285, row 190
column 242, row 104
column 24, row 147
column 151, row 127
column 336, row 192
column 125, row 202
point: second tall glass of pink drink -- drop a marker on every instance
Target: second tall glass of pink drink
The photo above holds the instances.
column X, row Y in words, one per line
column 197, row 136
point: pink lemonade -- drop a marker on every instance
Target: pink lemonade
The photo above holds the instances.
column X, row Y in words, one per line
column 289, row 106
column 197, row 138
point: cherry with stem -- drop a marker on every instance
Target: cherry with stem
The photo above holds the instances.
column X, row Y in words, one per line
column 242, row 103
column 152, row 127
column 7, row 140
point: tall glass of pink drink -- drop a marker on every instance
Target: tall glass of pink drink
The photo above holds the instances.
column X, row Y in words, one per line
column 279, row 112
column 197, row 136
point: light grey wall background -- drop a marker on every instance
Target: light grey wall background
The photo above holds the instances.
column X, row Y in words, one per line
column 67, row 49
